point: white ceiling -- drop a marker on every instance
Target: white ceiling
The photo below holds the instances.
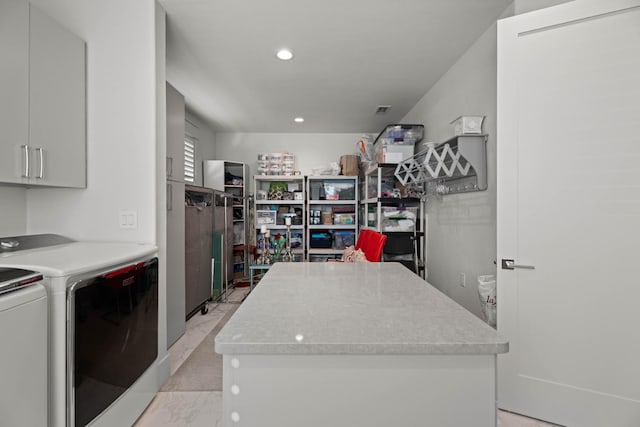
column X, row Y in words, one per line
column 350, row 56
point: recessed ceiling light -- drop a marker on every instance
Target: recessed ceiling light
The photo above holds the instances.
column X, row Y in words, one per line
column 299, row 119
column 284, row 54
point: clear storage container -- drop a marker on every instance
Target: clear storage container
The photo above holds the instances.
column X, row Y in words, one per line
column 342, row 239
column 344, row 218
column 399, row 218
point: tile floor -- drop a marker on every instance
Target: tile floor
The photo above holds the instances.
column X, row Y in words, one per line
column 204, row 408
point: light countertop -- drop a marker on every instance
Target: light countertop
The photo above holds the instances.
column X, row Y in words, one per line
column 76, row 257
column 353, row 308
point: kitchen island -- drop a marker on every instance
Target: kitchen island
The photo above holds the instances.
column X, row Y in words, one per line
column 364, row 344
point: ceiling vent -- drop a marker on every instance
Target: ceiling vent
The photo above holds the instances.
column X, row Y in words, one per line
column 382, row 109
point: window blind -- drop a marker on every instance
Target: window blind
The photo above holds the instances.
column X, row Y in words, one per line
column 189, row 160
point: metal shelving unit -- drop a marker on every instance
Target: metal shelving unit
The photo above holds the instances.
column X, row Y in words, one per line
column 233, row 178
column 401, row 218
column 271, row 209
column 332, row 215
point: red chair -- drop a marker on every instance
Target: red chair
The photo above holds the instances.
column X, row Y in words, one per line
column 371, row 242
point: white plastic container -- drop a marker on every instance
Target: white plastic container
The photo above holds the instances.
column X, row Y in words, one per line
column 395, row 219
column 288, row 170
column 275, row 169
column 288, row 159
column 393, row 152
column 275, row 158
column 468, row 125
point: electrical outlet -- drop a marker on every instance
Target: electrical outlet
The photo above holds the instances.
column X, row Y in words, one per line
column 462, row 280
column 128, row 219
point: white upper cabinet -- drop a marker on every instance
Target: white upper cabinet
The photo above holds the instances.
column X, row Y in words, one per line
column 42, row 100
column 175, row 134
column 14, row 88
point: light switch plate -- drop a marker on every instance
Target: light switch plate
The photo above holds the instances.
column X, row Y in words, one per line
column 128, row 219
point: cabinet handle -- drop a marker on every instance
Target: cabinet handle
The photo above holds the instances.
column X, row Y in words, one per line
column 40, row 152
column 169, row 198
column 169, row 166
column 25, row 172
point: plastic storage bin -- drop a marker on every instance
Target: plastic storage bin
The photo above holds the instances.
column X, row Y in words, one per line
column 397, row 142
column 402, row 132
column 264, row 217
column 342, row 239
column 339, row 190
column 399, row 244
column 388, row 151
column 344, row 218
column 399, row 218
column 321, row 239
column 468, row 125
column 323, row 258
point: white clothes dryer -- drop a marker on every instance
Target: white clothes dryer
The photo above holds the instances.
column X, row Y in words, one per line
column 23, row 356
column 105, row 360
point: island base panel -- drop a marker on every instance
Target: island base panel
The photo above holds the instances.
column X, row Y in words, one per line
column 359, row 390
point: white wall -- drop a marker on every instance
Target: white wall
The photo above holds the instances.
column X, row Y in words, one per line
column 198, row 129
column 310, row 149
column 121, row 125
column 524, row 6
column 161, row 173
column 461, row 230
column 13, row 211
column 461, row 235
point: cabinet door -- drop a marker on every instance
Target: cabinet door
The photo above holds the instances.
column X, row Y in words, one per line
column 57, row 120
column 175, row 262
column 14, row 88
column 175, row 134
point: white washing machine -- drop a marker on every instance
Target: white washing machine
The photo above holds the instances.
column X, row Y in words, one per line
column 90, row 382
column 23, row 351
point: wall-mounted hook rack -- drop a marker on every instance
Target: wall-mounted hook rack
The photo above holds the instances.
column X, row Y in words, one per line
column 462, row 158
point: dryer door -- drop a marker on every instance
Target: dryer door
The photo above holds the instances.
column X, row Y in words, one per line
column 113, row 336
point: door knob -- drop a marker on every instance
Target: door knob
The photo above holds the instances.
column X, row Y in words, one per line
column 509, row 264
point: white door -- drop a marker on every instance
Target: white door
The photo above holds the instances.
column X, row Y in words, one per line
column 569, row 205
